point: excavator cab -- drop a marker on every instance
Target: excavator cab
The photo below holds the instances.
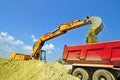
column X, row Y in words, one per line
column 42, row 55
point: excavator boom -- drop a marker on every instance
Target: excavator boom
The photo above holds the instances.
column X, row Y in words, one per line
column 96, row 27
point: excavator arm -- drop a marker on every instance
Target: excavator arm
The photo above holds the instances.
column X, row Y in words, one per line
column 96, row 27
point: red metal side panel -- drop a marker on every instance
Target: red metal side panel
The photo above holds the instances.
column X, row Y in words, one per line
column 94, row 54
column 100, row 53
column 115, row 54
column 74, row 55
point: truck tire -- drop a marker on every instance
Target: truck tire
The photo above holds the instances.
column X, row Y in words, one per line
column 102, row 74
column 81, row 73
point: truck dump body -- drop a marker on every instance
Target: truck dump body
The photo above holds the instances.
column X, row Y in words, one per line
column 107, row 53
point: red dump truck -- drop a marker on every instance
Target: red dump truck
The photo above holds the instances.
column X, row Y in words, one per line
column 95, row 61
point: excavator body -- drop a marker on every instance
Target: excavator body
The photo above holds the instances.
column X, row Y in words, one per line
column 20, row 56
column 41, row 56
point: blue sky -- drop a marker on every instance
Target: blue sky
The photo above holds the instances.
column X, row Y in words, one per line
column 22, row 19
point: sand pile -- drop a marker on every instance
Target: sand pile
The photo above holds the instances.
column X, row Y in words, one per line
column 32, row 70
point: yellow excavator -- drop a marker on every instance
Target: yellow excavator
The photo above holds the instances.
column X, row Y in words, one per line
column 95, row 28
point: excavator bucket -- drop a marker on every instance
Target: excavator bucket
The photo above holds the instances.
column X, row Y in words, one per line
column 95, row 28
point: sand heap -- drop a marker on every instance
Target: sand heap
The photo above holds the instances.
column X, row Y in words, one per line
column 32, row 70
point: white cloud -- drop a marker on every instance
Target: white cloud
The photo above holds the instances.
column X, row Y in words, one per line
column 18, row 42
column 49, row 48
column 5, row 50
column 28, row 48
column 34, row 39
column 9, row 38
column 1, row 39
column 4, row 36
column 7, row 42
column 32, row 36
column 3, row 33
